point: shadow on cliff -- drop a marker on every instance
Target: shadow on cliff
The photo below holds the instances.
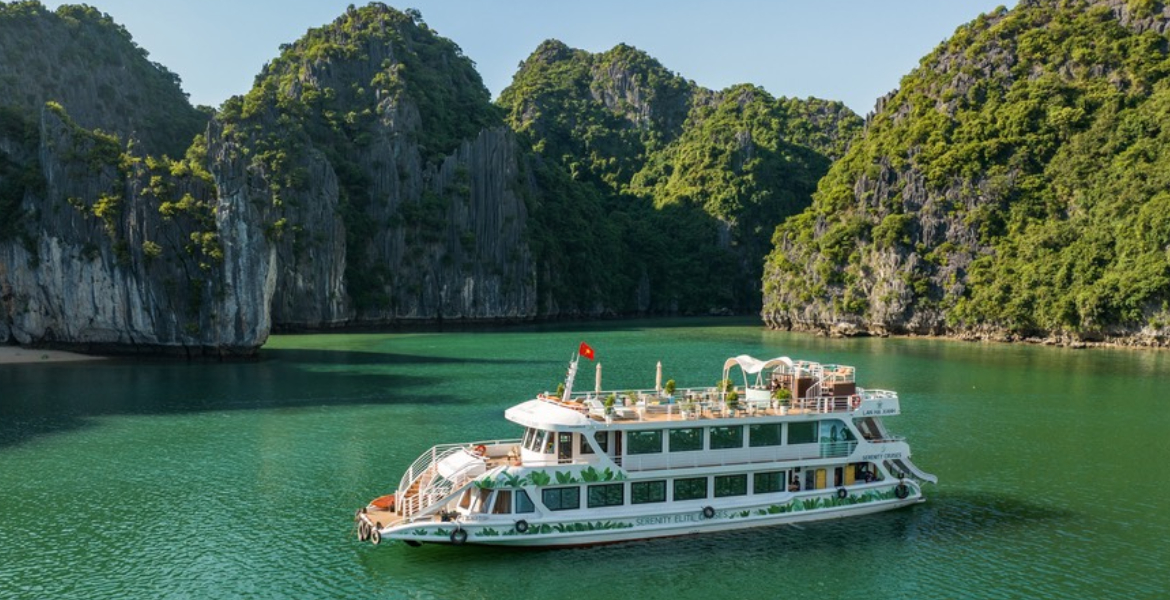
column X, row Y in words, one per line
column 40, row 400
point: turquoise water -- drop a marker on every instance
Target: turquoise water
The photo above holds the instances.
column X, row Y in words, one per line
column 157, row 479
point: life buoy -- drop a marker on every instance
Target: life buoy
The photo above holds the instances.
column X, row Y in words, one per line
column 855, row 400
column 480, row 450
column 708, row 512
column 842, row 493
column 375, row 537
column 458, row 537
column 521, row 526
column 902, row 491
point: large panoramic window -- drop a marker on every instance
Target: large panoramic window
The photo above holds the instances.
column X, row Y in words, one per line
column 610, row 494
column 802, row 433
column 566, row 498
column 692, row 488
column 644, row 442
column 730, row 485
column 766, row 483
column 645, row 492
column 727, row 437
column 764, row 434
column 683, row 440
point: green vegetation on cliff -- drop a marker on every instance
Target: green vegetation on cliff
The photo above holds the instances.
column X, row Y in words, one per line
column 1015, row 183
column 375, row 71
column 690, row 183
column 80, row 58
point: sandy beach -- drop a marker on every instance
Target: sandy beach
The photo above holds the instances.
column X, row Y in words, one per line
column 11, row 355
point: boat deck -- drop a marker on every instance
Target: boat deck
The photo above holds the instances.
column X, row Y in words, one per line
column 710, row 409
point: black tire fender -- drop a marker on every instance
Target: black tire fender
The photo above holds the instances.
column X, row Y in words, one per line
column 521, row 526
column 708, row 512
column 902, row 491
column 459, row 537
column 375, row 537
column 842, row 493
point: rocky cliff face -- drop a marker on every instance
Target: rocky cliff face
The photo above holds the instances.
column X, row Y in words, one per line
column 96, row 265
column 989, row 196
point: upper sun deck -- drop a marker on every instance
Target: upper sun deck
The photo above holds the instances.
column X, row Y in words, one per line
column 781, row 387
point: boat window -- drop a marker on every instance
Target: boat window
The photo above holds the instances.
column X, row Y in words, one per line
column 524, row 503
column 610, row 494
column 645, row 492
column 480, row 500
column 465, row 500
column 691, row 488
column 730, row 485
column 503, row 503
column 527, row 437
column 644, row 442
column 602, row 438
column 727, row 437
column 683, row 440
column 566, row 498
column 835, row 430
column 564, row 447
column 533, row 441
column 766, row 483
column 802, row 433
column 764, row 434
column 549, row 442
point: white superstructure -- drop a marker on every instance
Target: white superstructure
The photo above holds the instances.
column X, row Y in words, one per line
column 797, row 441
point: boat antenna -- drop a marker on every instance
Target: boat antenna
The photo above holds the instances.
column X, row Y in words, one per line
column 570, row 377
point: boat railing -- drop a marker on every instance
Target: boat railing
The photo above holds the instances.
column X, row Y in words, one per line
column 687, row 402
column 423, row 471
column 764, row 454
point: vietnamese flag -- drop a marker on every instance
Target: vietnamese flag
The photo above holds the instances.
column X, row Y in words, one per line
column 585, row 351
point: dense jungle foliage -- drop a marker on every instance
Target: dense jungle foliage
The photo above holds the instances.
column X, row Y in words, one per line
column 1019, row 177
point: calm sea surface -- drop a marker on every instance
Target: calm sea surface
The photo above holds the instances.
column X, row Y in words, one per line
column 154, row 479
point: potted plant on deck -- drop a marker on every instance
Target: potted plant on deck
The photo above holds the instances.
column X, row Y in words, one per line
column 610, row 400
column 781, row 397
column 732, row 402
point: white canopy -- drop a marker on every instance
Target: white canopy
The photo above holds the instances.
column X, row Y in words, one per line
column 545, row 415
column 754, row 365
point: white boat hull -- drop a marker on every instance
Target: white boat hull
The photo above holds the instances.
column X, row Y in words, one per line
column 580, row 530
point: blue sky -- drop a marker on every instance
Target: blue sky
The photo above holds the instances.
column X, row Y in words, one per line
column 848, row 50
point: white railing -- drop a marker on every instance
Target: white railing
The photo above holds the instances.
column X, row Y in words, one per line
column 714, row 458
column 432, row 486
column 639, row 403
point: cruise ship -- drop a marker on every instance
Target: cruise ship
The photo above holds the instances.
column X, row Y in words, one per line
column 778, row 441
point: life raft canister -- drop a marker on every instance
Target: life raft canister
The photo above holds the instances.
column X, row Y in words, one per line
column 386, row 503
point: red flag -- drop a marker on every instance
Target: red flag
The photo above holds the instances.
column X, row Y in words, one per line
column 585, row 351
